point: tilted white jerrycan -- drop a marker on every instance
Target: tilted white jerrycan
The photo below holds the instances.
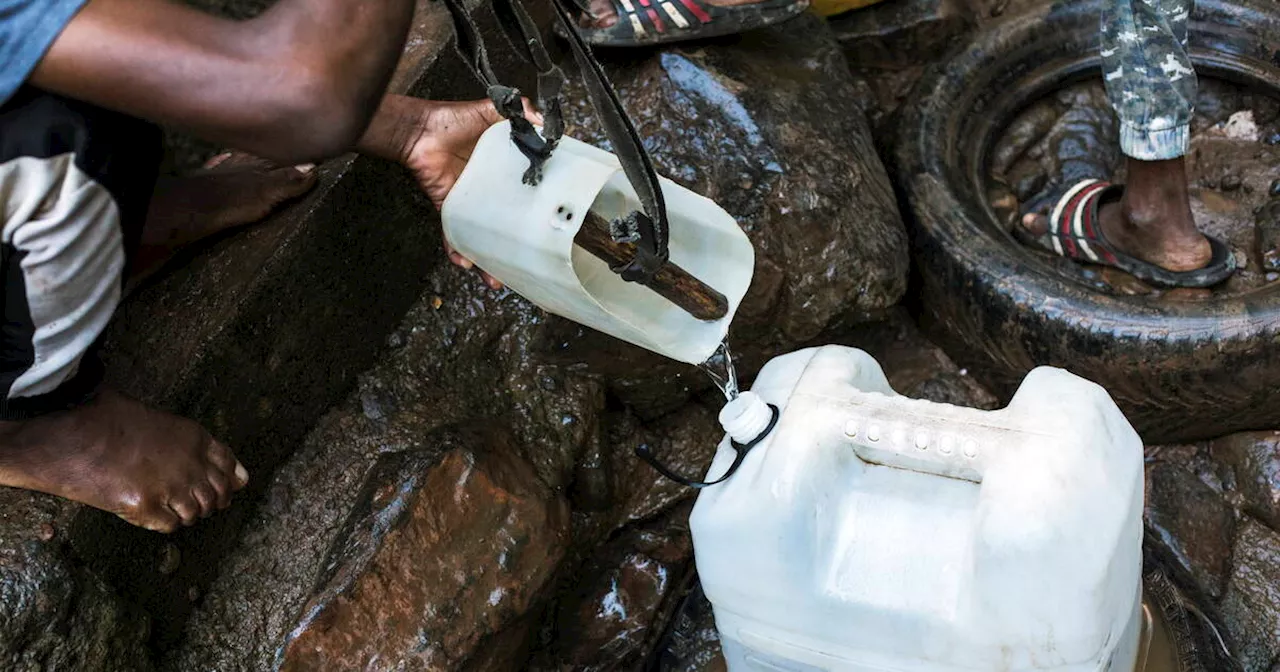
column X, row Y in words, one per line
column 870, row 532
column 523, row 235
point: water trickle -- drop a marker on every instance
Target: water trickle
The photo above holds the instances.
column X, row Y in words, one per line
column 720, row 367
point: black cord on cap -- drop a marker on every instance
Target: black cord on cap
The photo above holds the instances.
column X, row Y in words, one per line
column 741, row 449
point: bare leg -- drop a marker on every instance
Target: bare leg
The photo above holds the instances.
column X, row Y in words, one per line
column 232, row 191
column 149, row 467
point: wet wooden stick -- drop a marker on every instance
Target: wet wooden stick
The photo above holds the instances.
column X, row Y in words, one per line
column 670, row 282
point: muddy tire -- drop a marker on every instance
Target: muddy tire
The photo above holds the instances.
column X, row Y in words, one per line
column 1180, row 371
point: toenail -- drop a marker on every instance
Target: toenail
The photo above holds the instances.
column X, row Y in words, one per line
column 305, row 168
column 242, row 474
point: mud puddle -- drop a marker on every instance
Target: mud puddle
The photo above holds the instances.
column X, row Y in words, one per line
column 1233, row 166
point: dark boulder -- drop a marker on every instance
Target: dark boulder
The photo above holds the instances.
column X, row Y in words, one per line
column 1251, row 607
column 54, row 613
column 1192, row 526
column 438, row 555
column 904, row 32
column 692, row 643
column 617, row 604
column 1254, row 458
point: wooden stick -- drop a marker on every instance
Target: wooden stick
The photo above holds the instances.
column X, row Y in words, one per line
column 670, row 282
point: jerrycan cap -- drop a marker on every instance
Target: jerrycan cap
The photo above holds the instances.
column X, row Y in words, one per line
column 750, row 418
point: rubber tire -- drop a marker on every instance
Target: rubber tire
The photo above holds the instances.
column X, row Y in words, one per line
column 1180, row 371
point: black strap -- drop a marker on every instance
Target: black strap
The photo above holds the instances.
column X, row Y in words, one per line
column 649, row 229
column 651, row 226
column 523, row 33
column 644, row 452
column 536, row 148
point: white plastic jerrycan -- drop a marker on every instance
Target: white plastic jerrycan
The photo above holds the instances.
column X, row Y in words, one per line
column 872, row 532
column 523, row 236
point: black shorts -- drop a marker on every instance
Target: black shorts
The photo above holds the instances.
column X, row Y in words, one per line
column 75, row 182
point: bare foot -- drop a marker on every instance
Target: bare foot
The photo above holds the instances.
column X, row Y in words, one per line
column 233, row 190
column 1152, row 221
column 604, row 14
column 151, row 468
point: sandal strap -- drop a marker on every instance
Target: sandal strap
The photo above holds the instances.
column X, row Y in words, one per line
column 633, row 13
column 1074, row 229
column 642, row 16
column 697, row 10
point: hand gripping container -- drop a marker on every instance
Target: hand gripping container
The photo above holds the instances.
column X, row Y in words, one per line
column 523, row 236
column 870, row 532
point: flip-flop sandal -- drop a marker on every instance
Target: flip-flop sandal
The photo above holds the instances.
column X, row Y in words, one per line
column 649, row 22
column 1075, row 233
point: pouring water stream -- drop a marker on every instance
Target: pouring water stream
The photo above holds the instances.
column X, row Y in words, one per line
column 720, row 368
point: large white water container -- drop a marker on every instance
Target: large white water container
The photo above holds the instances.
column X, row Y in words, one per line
column 870, row 532
column 523, row 235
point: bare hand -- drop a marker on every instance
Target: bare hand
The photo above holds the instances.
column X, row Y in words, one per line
column 446, row 135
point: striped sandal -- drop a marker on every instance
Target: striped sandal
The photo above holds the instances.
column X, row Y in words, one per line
column 651, row 22
column 1075, row 233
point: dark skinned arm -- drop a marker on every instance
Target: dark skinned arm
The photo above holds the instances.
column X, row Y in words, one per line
column 298, row 83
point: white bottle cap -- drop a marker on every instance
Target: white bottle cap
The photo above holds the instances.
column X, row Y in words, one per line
column 746, row 417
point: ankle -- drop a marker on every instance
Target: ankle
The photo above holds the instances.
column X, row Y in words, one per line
column 1164, row 205
column 1144, row 216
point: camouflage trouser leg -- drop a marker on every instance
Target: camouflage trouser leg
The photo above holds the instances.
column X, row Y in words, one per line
column 1149, row 77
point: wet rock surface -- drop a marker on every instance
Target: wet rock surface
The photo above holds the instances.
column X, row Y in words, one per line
column 1202, row 526
column 1192, row 522
column 54, row 613
column 889, row 45
column 619, row 602
column 1254, row 458
column 1251, row 607
column 460, row 355
column 904, row 33
column 692, row 644
column 401, row 588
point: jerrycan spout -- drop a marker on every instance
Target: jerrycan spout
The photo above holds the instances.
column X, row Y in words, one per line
column 747, row 418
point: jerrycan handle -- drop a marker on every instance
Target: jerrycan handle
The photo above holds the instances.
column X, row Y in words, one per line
column 901, row 432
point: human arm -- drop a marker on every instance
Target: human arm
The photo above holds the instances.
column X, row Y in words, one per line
column 300, row 82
